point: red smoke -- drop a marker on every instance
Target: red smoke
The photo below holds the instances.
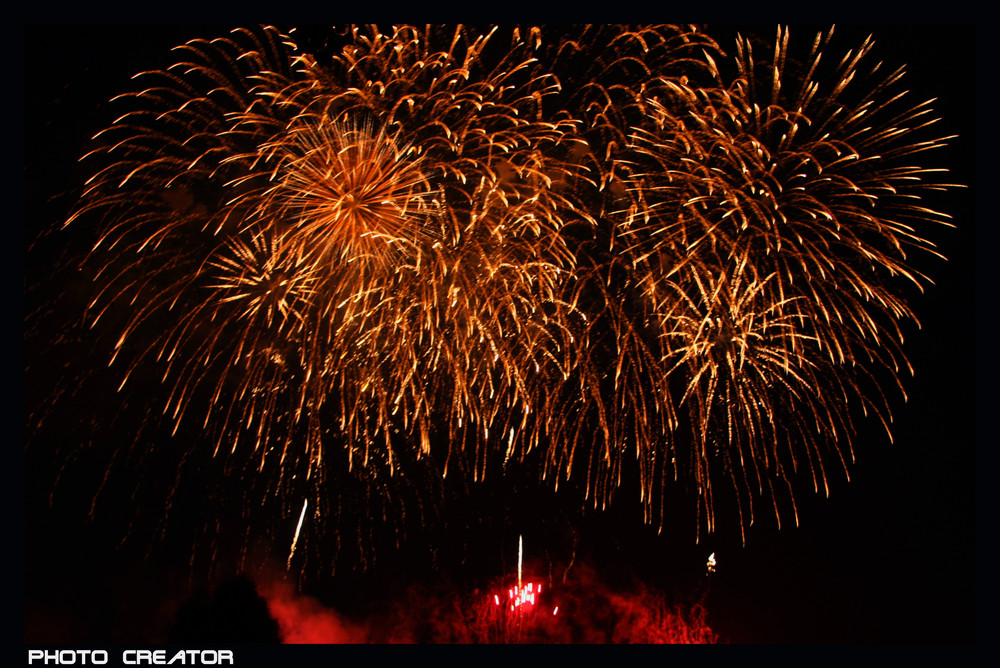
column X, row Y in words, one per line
column 589, row 611
column 304, row 620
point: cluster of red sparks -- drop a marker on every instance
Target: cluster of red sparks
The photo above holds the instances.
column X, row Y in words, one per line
column 516, row 617
column 523, row 597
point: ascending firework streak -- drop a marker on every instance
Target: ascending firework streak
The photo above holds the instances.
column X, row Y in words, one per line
column 479, row 248
column 507, row 619
column 298, row 529
column 520, row 555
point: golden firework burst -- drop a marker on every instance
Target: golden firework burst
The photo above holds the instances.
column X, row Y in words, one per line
column 468, row 249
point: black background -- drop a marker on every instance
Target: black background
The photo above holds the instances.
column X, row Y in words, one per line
column 889, row 557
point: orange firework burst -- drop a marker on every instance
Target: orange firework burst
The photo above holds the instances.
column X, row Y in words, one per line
column 356, row 263
column 753, row 281
column 455, row 250
column 342, row 194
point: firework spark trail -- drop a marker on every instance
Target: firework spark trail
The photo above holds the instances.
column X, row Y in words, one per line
column 298, row 529
column 475, row 249
column 520, row 555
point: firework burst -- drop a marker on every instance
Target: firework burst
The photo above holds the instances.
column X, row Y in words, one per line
column 354, row 260
column 442, row 251
column 770, row 219
column 347, row 195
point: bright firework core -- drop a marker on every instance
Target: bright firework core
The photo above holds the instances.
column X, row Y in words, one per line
column 348, row 193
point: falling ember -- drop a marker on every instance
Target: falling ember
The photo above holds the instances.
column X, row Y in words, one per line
column 298, row 528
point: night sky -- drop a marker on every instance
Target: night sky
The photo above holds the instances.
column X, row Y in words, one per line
column 888, row 557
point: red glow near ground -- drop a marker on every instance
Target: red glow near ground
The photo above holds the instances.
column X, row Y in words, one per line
column 582, row 609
